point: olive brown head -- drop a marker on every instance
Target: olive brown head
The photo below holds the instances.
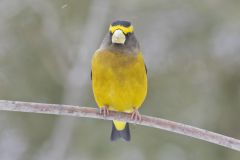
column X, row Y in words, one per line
column 121, row 37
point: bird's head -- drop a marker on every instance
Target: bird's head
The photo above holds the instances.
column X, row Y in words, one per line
column 120, row 31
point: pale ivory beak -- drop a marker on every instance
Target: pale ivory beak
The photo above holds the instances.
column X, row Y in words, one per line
column 118, row 37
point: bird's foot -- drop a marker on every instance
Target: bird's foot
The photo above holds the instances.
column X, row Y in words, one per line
column 104, row 111
column 136, row 116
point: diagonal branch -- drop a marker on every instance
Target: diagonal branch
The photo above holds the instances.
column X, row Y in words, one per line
column 69, row 110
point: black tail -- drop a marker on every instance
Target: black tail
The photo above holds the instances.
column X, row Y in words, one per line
column 124, row 134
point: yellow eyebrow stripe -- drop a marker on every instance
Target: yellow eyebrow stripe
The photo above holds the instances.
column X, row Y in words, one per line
column 125, row 30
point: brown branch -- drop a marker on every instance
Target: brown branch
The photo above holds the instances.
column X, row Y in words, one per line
column 154, row 122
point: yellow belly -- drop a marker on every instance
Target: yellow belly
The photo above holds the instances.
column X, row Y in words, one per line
column 119, row 80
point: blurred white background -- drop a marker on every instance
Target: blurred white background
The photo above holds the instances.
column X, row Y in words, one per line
column 191, row 49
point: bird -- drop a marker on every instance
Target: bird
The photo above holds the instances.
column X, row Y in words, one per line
column 119, row 76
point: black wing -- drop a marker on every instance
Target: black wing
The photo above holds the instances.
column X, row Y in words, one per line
column 91, row 75
column 145, row 68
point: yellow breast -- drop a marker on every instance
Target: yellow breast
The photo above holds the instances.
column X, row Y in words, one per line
column 119, row 80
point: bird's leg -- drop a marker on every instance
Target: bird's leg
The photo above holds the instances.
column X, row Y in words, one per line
column 136, row 116
column 104, row 111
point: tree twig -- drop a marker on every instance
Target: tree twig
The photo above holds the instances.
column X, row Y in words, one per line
column 69, row 110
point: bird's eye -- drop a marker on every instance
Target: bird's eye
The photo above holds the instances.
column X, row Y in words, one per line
column 128, row 34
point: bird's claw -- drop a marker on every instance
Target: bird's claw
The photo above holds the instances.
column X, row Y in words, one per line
column 104, row 111
column 136, row 116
